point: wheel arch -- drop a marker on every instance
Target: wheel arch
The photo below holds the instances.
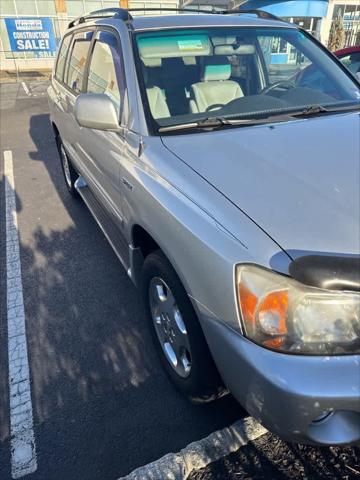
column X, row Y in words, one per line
column 142, row 244
column 141, row 238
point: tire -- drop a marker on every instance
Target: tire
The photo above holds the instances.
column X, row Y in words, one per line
column 193, row 371
column 70, row 174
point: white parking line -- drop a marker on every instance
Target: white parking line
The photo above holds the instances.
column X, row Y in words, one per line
column 23, row 451
column 25, row 87
column 178, row 466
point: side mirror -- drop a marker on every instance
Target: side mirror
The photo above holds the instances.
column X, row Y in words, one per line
column 96, row 110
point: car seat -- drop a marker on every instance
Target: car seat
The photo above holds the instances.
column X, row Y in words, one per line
column 215, row 89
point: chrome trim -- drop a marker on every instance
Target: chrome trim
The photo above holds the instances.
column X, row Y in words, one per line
column 80, row 183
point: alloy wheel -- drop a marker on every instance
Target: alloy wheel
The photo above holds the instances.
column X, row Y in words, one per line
column 170, row 327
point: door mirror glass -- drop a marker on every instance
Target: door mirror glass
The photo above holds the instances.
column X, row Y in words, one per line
column 97, row 111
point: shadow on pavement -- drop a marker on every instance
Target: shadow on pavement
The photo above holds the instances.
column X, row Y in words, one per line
column 101, row 401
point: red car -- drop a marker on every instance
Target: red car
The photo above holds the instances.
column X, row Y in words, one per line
column 350, row 57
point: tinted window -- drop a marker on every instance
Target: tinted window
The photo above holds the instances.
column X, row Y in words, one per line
column 105, row 71
column 77, row 61
column 60, row 66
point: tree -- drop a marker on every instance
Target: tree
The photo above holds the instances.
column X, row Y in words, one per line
column 337, row 34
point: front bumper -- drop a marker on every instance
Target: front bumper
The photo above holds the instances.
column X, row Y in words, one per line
column 287, row 393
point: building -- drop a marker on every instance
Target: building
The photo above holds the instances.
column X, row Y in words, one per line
column 308, row 14
column 349, row 11
column 30, row 30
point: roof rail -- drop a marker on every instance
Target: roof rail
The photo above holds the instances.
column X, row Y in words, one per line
column 213, row 10
column 124, row 13
column 121, row 13
column 258, row 13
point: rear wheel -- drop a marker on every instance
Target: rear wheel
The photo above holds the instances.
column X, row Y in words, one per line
column 70, row 174
column 176, row 331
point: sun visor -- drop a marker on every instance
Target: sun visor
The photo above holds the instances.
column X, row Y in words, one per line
column 233, row 50
column 174, row 46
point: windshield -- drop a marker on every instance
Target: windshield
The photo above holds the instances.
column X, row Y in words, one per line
column 192, row 74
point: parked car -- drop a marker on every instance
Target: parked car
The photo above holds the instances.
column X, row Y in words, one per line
column 229, row 189
column 350, row 57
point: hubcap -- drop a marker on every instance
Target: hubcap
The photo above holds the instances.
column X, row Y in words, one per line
column 170, row 327
column 65, row 162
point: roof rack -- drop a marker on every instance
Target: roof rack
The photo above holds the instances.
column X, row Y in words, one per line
column 120, row 13
column 258, row 13
column 124, row 13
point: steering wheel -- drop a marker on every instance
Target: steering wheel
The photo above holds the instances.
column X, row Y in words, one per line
column 212, row 107
column 286, row 84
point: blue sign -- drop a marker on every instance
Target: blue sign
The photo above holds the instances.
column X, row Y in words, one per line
column 32, row 35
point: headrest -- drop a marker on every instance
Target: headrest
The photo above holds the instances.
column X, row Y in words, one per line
column 152, row 62
column 216, row 68
column 244, row 49
column 189, row 60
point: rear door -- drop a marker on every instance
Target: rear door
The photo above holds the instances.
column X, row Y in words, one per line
column 68, row 88
column 57, row 90
column 102, row 151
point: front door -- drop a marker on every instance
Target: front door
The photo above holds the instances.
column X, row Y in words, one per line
column 102, row 151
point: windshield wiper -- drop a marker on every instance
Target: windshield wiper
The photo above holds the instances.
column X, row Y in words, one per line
column 204, row 123
column 218, row 122
column 287, row 115
column 313, row 110
column 213, row 122
column 210, row 123
column 319, row 109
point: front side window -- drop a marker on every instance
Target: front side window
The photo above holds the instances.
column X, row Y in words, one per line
column 106, row 70
column 60, row 64
column 189, row 75
column 77, row 60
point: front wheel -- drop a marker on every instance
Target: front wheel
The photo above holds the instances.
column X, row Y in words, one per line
column 70, row 174
column 176, row 331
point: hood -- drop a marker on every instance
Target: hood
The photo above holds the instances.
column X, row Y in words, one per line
column 298, row 181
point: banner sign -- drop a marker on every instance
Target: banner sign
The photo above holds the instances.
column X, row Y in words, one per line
column 32, row 35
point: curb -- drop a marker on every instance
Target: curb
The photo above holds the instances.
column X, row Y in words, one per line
column 178, row 466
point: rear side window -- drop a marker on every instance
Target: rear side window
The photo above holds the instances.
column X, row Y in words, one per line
column 77, row 61
column 60, row 65
column 106, row 70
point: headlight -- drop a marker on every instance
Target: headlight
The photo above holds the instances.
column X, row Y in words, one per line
column 282, row 314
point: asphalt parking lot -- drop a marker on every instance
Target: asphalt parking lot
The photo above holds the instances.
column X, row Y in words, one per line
column 102, row 405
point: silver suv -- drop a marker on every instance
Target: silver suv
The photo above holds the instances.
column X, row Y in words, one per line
column 219, row 154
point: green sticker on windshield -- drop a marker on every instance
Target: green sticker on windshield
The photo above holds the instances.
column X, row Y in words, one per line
column 190, row 45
